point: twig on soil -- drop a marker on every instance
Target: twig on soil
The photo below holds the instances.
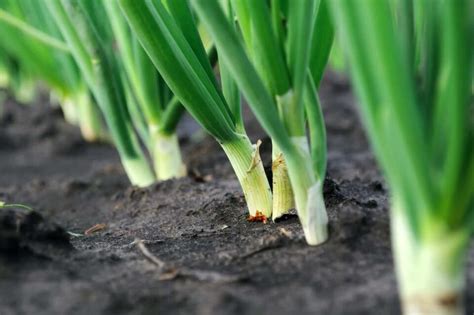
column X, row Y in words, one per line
column 144, row 250
column 210, row 276
column 164, row 275
column 173, row 272
column 266, row 243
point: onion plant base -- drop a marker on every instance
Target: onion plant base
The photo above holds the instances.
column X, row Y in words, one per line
column 70, row 110
column 308, row 193
column 430, row 273
column 4, row 79
column 24, row 91
column 283, row 199
column 247, row 164
column 316, row 229
column 167, row 159
column 90, row 122
column 80, row 110
column 138, row 171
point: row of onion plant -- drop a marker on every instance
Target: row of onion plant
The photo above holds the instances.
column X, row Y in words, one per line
column 279, row 103
column 169, row 35
column 135, row 100
column 304, row 41
column 70, row 47
column 412, row 68
column 281, row 56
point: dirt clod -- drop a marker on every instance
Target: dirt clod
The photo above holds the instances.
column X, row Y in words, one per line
column 21, row 229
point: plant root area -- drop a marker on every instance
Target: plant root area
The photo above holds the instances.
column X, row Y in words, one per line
column 96, row 245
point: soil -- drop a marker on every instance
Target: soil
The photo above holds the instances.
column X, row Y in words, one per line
column 204, row 257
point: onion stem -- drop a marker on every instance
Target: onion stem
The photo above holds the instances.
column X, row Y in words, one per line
column 283, row 199
column 430, row 272
column 248, row 167
column 308, row 193
column 166, row 155
column 90, row 120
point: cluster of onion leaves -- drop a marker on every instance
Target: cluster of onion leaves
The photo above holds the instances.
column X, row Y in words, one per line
column 135, row 101
column 283, row 40
column 411, row 64
column 167, row 31
column 285, row 82
column 33, row 51
column 277, row 60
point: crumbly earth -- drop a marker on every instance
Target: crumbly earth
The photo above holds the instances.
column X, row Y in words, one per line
column 207, row 258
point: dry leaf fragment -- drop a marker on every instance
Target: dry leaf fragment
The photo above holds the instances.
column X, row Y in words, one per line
column 258, row 217
column 95, row 228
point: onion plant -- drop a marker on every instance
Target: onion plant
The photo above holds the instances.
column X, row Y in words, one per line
column 84, row 29
column 29, row 34
column 411, row 65
column 275, row 50
column 304, row 43
column 169, row 35
column 16, row 77
column 171, row 40
column 126, row 86
column 160, row 108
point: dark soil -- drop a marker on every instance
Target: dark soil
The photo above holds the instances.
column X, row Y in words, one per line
column 208, row 258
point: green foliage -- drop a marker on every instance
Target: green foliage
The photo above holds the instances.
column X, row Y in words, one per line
column 422, row 133
column 270, row 73
column 181, row 64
